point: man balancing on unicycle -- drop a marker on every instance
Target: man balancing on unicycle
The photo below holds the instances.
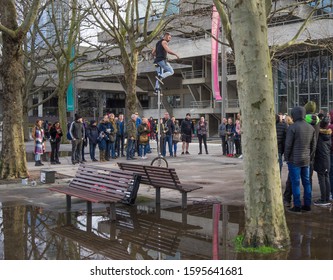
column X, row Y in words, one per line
column 163, row 67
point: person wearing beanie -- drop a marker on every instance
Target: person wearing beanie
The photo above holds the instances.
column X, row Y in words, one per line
column 299, row 149
column 322, row 163
column 312, row 119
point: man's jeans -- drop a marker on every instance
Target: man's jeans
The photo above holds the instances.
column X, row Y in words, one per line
column 167, row 69
column 296, row 175
column 130, row 148
column 167, row 140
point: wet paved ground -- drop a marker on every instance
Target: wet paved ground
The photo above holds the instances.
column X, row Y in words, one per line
column 34, row 224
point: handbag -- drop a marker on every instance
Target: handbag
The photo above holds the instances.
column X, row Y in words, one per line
column 176, row 137
column 143, row 138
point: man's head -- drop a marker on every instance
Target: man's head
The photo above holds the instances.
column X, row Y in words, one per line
column 121, row 117
column 166, row 116
column 188, row 116
column 167, row 36
column 133, row 117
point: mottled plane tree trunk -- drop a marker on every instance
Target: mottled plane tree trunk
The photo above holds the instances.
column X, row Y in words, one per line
column 13, row 159
column 265, row 222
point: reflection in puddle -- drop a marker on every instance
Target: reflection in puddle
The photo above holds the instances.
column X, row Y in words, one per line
column 28, row 232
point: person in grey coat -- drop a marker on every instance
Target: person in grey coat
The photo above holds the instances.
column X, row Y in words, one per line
column 299, row 150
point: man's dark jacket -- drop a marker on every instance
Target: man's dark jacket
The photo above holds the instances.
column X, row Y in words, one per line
column 300, row 142
column 281, row 132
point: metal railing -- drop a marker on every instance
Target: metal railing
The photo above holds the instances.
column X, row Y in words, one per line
column 193, row 74
column 201, row 104
column 232, row 103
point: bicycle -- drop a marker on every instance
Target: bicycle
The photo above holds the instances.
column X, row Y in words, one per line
column 159, row 160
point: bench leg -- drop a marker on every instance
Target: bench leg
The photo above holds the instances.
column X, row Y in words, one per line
column 68, row 202
column 89, row 207
column 113, row 215
column 158, row 196
column 184, row 200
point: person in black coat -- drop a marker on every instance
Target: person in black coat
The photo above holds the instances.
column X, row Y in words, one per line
column 299, row 150
column 322, row 162
column 281, row 132
column 92, row 135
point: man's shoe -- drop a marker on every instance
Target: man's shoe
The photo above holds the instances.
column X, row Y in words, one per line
column 187, row 153
column 200, row 153
column 58, row 162
column 295, row 209
column 323, row 203
column 306, row 208
column 159, row 78
column 53, row 162
column 183, row 153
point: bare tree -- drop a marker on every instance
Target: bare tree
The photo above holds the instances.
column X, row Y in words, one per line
column 128, row 24
column 13, row 160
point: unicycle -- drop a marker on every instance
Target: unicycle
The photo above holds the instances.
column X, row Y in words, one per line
column 159, row 161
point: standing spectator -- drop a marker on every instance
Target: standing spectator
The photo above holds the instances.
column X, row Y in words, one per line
column 38, row 136
column 230, row 135
column 137, row 123
column 102, row 141
column 222, row 134
column 299, row 149
column 202, row 128
column 322, row 163
column 143, row 140
column 55, row 140
column 169, row 128
column 85, row 139
column 238, row 136
column 152, row 128
column 131, row 137
column 105, row 127
column 288, row 192
column 186, row 130
column 281, row 132
column 331, row 154
column 46, row 128
column 176, row 137
column 113, row 135
column 121, row 129
column 313, row 119
column 77, row 134
column 92, row 135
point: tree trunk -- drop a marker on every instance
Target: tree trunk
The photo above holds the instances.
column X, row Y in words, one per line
column 265, row 222
column 62, row 102
column 13, row 157
column 130, row 70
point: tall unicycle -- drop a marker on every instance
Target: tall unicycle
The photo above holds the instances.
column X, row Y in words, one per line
column 159, row 160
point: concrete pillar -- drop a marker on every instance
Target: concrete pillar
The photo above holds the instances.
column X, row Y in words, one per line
column 40, row 107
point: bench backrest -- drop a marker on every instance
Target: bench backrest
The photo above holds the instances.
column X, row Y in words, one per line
column 163, row 177
column 108, row 182
column 154, row 175
column 135, row 169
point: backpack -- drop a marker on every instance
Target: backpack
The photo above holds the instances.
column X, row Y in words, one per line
column 68, row 135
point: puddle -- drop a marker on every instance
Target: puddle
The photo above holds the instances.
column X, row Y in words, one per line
column 142, row 232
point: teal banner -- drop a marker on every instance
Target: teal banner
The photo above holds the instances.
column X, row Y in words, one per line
column 70, row 96
column 71, row 89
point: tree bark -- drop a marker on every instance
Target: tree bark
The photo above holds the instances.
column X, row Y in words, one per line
column 131, row 68
column 13, row 159
column 265, row 222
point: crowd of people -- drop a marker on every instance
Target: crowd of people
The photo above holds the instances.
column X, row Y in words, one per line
column 305, row 144
column 113, row 137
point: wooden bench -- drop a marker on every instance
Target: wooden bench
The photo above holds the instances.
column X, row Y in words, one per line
column 97, row 184
column 160, row 177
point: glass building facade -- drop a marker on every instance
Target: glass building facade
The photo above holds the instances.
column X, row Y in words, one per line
column 303, row 77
